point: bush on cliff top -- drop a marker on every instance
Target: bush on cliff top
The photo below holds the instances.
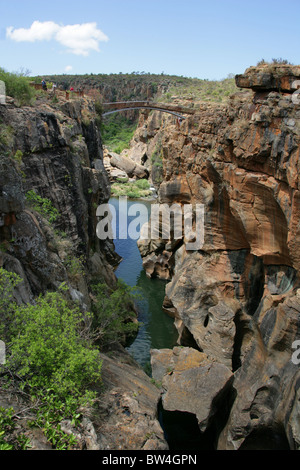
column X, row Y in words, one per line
column 17, row 86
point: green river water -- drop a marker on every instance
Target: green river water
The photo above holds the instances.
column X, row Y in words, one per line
column 157, row 330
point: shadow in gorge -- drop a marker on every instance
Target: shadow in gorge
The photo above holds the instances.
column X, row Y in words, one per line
column 182, row 432
column 266, row 439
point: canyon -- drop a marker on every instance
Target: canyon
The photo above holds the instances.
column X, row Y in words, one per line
column 235, row 302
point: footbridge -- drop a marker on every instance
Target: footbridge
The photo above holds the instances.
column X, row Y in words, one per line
column 176, row 110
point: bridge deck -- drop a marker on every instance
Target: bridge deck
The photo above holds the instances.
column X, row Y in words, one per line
column 176, row 110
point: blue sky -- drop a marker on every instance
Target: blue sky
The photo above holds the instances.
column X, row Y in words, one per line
column 194, row 38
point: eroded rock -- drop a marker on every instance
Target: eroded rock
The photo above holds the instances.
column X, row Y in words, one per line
column 190, row 382
column 128, row 413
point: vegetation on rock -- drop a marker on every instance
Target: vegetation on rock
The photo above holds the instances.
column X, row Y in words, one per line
column 133, row 190
column 117, row 132
column 18, row 87
column 52, row 356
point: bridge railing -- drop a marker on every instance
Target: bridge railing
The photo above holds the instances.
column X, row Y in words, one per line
column 126, row 105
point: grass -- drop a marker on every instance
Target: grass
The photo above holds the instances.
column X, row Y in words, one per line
column 201, row 90
column 134, row 190
column 117, row 132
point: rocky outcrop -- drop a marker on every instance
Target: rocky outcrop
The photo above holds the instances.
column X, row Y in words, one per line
column 52, row 179
column 268, row 77
column 236, row 298
column 128, row 411
column 187, row 375
column 51, row 154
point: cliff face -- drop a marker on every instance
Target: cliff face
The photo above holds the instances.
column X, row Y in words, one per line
column 53, row 153
column 52, row 180
column 237, row 299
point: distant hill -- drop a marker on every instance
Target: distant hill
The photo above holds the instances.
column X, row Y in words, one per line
column 118, row 129
column 142, row 86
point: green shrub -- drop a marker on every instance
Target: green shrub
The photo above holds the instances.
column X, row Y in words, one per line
column 18, row 157
column 75, row 267
column 122, row 180
column 142, row 184
column 42, row 205
column 275, row 61
column 114, row 313
column 134, row 190
column 17, row 86
column 8, row 439
column 6, row 137
column 117, row 132
column 51, row 355
column 47, row 349
column 8, row 282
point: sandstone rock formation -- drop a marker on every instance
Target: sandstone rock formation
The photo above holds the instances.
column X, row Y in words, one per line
column 190, row 382
column 270, row 77
column 128, row 410
column 236, row 299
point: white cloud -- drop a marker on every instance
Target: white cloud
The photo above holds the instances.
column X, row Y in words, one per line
column 79, row 39
column 38, row 31
column 68, row 68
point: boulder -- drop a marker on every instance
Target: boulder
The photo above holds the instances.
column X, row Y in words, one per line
column 131, row 168
column 190, row 382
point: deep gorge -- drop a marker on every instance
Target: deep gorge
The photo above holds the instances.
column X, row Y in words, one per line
column 225, row 317
column 157, row 330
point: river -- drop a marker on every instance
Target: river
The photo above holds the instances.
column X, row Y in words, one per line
column 157, row 330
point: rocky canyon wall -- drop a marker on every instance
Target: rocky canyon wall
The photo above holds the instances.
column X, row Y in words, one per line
column 237, row 299
column 53, row 153
column 51, row 167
